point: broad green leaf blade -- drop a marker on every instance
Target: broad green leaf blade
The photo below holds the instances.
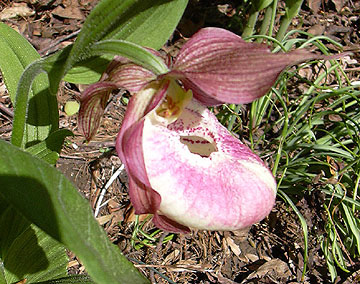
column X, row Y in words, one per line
column 37, row 114
column 291, row 10
column 35, row 256
column 132, row 51
column 19, row 53
column 2, row 276
column 46, row 198
column 49, row 149
column 261, row 4
column 73, row 279
column 27, row 252
column 89, row 71
column 147, row 23
column 12, row 225
column 10, row 66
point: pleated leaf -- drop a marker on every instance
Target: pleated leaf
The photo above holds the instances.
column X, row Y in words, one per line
column 147, row 23
column 51, row 202
column 37, row 114
column 27, row 252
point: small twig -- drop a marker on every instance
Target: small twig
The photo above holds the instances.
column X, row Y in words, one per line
column 179, row 267
column 108, row 144
column 72, row 157
column 103, row 191
column 5, row 129
column 46, row 49
column 152, row 269
column 156, row 253
column 6, row 111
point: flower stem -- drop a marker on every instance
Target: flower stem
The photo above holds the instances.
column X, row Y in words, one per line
column 265, row 22
column 291, row 12
column 273, row 16
column 250, row 25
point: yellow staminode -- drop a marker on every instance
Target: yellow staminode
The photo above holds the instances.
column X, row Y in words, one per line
column 175, row 101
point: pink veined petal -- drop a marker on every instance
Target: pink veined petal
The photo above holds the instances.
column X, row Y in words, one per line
column 169, row 225
column 131, row 145
column 142, row 196
column 129, row 148
column 206, row 178
column 139, row 105
column 145, row 200
column 130, row 76
column 92, row 105
column 221, row 67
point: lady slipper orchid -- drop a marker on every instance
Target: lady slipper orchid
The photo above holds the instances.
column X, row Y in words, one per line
column 184, row 167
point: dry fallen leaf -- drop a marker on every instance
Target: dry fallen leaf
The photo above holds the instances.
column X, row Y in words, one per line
column 274, row 267
column 335, row 117
column 234, row 247
column 15, row 10
column 318, row 29
column 70, row 12
column 104, row 219
column 314, row 5
column 338, row 4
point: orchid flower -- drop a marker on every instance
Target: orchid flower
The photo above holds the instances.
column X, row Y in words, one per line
column 184, row 167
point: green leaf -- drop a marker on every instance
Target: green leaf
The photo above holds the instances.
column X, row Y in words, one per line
column 46, row 198
column 351, row 221
column 303, row 226
column 292, row 8
column 132, row 51
column 88, row 71
column 261, row 4
column 2, row 276
column 19, row 53
column 147, row 23
column 27, row 252
column 73, row 279
column 36, row 113
column 49, row 149
column 12, row 225
column 35, row 256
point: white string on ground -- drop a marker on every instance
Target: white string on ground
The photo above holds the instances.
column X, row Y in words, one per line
column 105, row 188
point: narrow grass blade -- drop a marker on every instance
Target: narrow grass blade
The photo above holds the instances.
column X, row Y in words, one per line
column 303, row 226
